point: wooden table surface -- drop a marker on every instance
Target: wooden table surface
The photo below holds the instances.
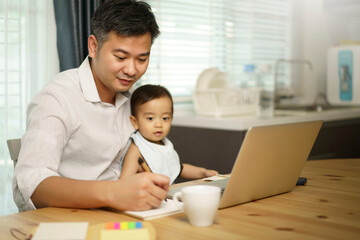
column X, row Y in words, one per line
column 327, row 207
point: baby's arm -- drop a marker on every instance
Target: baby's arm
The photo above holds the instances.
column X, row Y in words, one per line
column 193, row 172
column 131, row 164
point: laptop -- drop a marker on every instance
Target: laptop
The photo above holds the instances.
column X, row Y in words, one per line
column 269, row 162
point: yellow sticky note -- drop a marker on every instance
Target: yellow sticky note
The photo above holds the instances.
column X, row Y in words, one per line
column 134, row 234
column 124, row 225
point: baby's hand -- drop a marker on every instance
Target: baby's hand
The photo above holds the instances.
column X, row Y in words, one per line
column 210, row 173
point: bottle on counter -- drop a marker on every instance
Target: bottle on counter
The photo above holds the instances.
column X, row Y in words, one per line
column 265, row 81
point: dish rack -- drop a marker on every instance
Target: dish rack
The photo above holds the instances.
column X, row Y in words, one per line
column 226, row 101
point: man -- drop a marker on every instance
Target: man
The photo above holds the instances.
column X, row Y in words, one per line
column 78, row 125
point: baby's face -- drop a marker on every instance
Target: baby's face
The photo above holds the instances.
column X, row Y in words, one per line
column 153, row 119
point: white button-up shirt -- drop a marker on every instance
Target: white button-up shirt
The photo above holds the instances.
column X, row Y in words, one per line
column 71, row 133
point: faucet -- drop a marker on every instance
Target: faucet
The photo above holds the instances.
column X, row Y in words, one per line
column 278, row 62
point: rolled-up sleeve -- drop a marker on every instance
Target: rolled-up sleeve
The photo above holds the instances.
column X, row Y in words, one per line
column 41, row 147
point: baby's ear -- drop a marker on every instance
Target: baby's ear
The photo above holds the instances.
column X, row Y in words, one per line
column 134, row 122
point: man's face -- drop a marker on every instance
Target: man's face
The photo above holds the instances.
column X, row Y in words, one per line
column 120, row 62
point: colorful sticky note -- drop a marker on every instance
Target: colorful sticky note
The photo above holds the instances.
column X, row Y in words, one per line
column 131, row 225
column 109, row 225
column 138, row 224
column 124, row 225
column 116, row 225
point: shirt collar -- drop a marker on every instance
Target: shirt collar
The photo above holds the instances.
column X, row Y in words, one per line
column 89, row 89
column 87, row 82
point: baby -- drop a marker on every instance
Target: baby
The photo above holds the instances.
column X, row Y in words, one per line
column 151, row 115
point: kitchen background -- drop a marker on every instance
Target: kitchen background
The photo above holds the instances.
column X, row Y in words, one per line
column 28, row 56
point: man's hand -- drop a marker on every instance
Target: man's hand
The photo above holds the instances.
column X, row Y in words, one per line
column 139, row 192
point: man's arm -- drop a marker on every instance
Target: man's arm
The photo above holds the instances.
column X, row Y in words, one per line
column 137, row 192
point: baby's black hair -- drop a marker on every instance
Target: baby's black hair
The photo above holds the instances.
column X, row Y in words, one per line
column 146, row 93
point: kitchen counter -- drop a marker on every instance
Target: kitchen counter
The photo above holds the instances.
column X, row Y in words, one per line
column 215, row 142
column 185, row 116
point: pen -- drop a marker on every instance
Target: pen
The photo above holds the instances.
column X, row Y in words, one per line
column 144, row 165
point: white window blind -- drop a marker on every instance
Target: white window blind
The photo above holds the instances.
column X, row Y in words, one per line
column 199, row 34
column 28, row 59
column 11, row 93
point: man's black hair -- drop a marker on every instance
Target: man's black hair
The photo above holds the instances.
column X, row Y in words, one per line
column 126, row 18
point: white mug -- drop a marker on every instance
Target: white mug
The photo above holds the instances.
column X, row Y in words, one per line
column 200, row 203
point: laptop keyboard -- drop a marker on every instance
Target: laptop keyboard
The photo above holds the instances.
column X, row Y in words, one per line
column 218, row 183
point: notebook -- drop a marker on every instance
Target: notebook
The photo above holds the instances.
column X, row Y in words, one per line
column 167, row 208
column 269, row 162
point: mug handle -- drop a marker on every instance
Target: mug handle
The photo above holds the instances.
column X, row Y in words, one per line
column 177, row 200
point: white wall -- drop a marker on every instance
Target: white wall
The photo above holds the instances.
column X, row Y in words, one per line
column 318, row 25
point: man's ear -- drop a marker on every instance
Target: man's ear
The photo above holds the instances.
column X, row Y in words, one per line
column 92, row 46
column 134, row 122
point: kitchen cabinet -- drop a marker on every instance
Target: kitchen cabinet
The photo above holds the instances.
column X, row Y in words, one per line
column 217, row 148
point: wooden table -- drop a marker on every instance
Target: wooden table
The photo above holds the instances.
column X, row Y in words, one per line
column 327, row 207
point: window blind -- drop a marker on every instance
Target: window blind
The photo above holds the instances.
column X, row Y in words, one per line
column 199, row 34
column 11, row 89
column 28, row 59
